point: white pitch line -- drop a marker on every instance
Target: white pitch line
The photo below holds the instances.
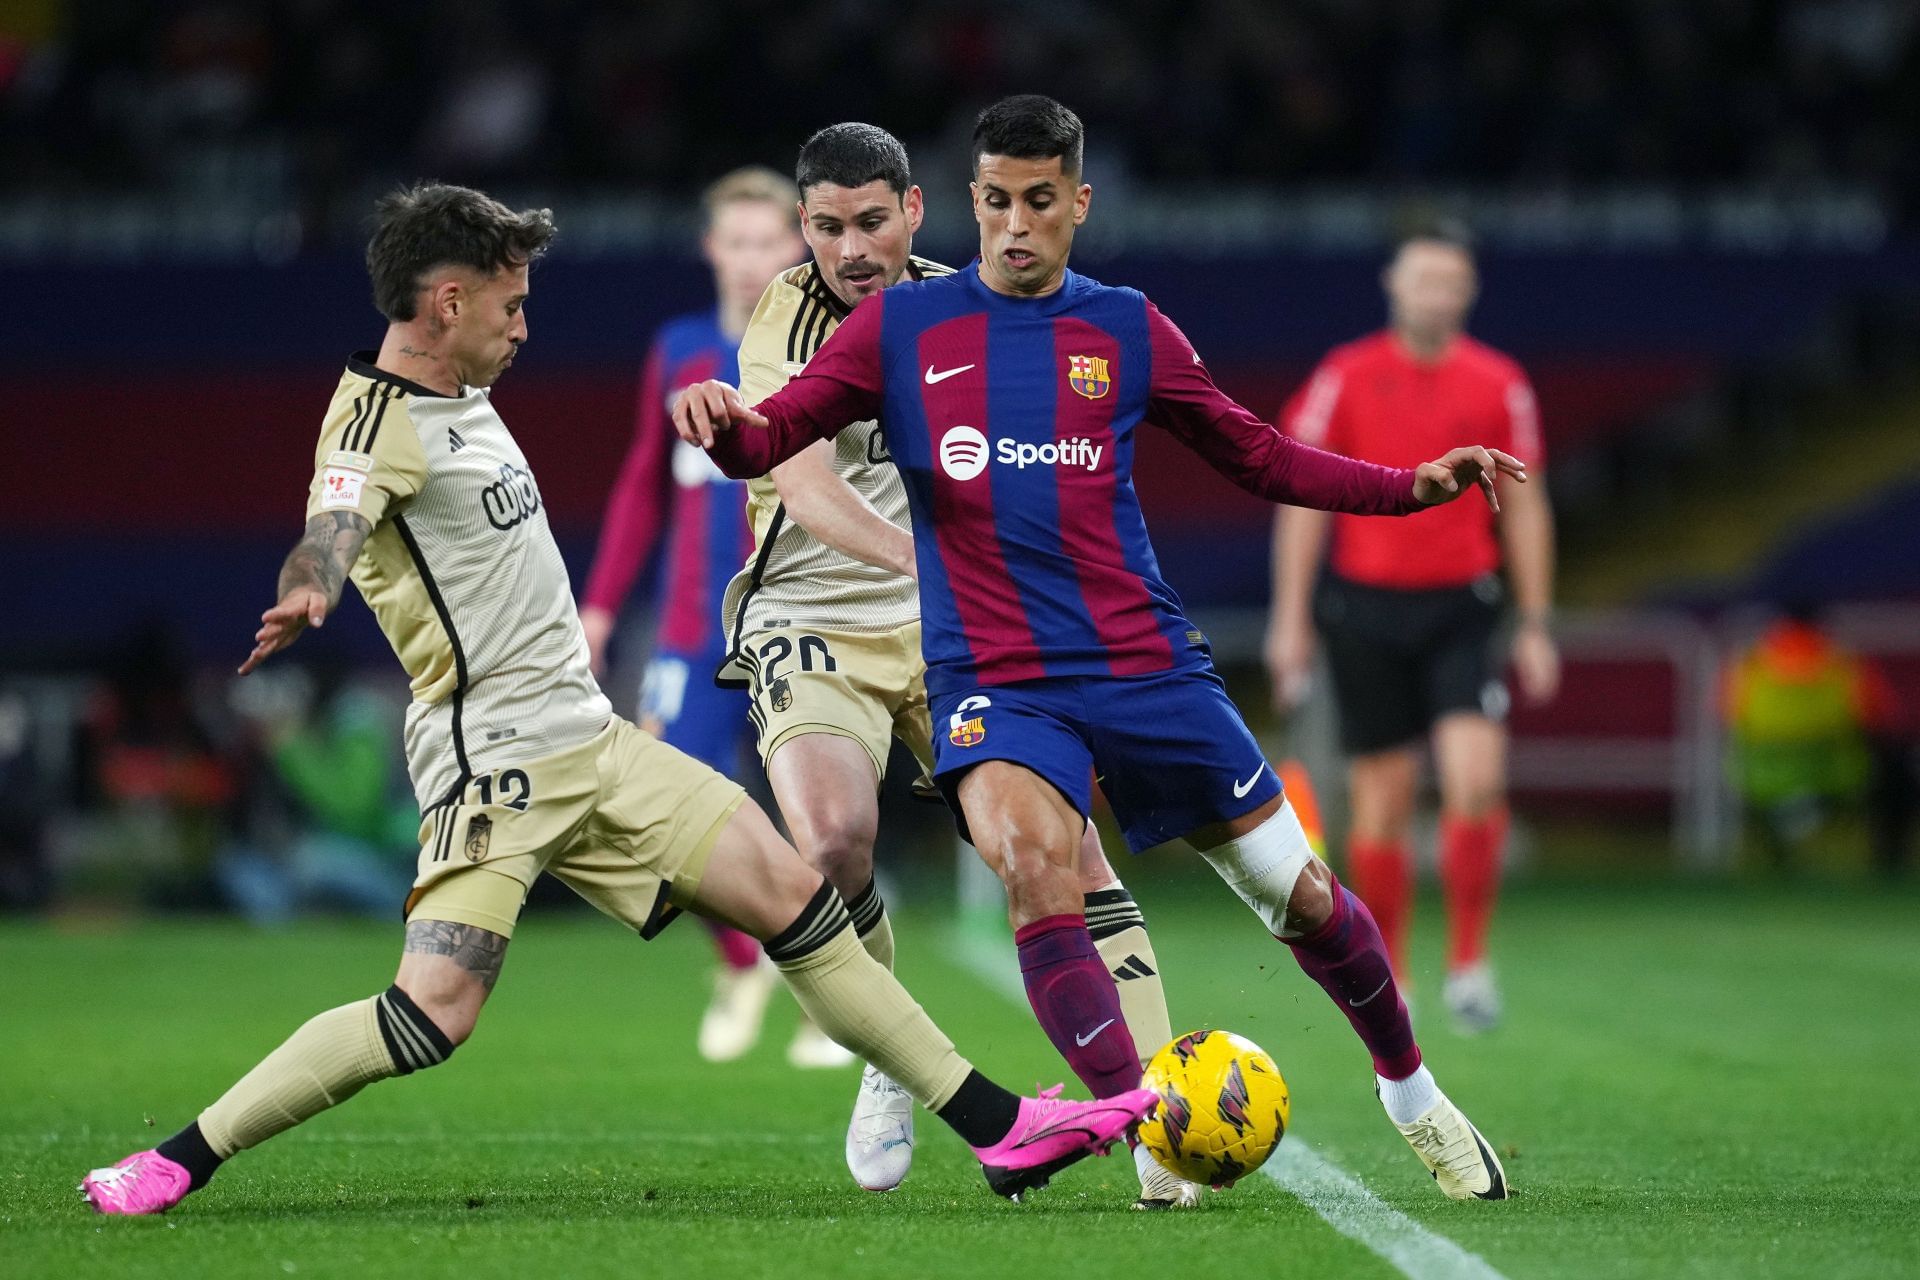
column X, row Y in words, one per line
column 1365, row 1218
column 1317, row 1182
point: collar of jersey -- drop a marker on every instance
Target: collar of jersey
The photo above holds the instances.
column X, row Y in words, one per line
column 362, row 363
column 1070, row 284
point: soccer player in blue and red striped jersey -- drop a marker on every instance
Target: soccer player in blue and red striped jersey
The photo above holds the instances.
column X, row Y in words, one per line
column 667, row 486
column 1011, row 393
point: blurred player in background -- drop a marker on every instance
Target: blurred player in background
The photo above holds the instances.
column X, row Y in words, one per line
column 665, row 485
column 1408, row 609
column 826, row 620
column 1010, row 393
column 422, row 496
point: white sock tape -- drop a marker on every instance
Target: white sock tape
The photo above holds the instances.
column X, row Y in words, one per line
column 1262, row 865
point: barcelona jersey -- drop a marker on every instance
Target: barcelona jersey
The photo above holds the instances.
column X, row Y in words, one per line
column 1013, row 422
column 666, row 484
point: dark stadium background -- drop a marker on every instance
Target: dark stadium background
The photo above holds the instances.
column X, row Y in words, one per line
column 1700, row 230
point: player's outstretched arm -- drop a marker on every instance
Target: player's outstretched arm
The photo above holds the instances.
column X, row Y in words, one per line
column 311, row 580
column 1452, row 474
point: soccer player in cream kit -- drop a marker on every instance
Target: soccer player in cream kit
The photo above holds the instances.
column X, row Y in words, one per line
column 1054, row 649
column 421, row 495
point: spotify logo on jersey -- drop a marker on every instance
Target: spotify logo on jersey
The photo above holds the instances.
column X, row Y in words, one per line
column 963, row 452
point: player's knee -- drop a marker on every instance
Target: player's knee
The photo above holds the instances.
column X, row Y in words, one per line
column 839, row 845
column 1096, row 873
column 1272, row 869
column 1039, row 886
column 1475, row 799
column 1310, row 905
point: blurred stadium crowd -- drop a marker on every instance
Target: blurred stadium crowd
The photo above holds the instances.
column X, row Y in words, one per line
column 307, row 100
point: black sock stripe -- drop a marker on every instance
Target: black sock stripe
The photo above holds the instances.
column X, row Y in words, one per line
column 817, row 935
column 401, row 1063
column 403, row 1037
column 1112, row 911
column 823, row 917
column 419, row 1054
column 867, row 908
column 436, row 1040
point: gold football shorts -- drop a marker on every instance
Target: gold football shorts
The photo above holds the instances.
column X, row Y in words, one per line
column 625, row 821
column 868, row 686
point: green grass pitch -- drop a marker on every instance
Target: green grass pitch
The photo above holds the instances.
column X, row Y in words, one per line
column 1692, row 1082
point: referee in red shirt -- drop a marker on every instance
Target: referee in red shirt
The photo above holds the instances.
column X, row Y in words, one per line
column 1408, row 609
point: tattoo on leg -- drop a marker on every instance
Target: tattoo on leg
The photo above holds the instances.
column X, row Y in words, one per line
column 478, row 951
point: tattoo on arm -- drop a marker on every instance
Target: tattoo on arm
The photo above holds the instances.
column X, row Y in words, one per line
column 328, row 549
column 475, row 950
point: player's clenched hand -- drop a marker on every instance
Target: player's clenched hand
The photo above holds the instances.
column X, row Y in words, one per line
column 281, row 625
column 705, row 409
column 1449, row 477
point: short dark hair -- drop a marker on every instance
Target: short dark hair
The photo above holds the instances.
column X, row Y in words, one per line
column 434, row 224
column 1030, row 126
column 1451, row 232
column 852, row 155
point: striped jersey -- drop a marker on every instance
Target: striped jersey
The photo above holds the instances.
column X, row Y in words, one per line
column 793, row 576
column 668, row 484
column 462, row 573
column 1013, row 423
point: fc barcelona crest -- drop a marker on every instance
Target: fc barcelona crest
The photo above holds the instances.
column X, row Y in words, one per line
column 479, row 836
column 967, row 733
column 1088, row 375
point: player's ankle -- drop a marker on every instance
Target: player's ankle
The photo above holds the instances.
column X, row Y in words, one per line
column 1408, row 1098
column 190, row 1150
column 980, row 1111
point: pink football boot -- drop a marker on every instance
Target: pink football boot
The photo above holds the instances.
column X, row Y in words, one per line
column 1051, row 1133
column 145, row 1182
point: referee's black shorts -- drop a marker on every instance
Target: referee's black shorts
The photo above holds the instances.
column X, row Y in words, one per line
column 1402, row 659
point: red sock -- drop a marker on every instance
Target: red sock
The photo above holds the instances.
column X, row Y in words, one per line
column 737, row 950
column 1382, row 876
column 1470, row 850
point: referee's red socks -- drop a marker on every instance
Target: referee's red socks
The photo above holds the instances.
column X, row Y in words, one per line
column 1382, row 875
column 1470, row 852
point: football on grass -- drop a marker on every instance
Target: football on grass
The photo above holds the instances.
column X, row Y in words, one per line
column 1223, row 1107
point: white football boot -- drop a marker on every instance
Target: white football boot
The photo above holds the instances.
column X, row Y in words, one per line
column 731, row 1024
column 1459, row 1158
column 1160, row 1188
column 1473, row 999
column 813, row 1048
column 880, row 1136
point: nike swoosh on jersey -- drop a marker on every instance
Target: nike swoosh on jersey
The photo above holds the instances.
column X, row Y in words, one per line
column 1241, row 788
column 944, row 374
